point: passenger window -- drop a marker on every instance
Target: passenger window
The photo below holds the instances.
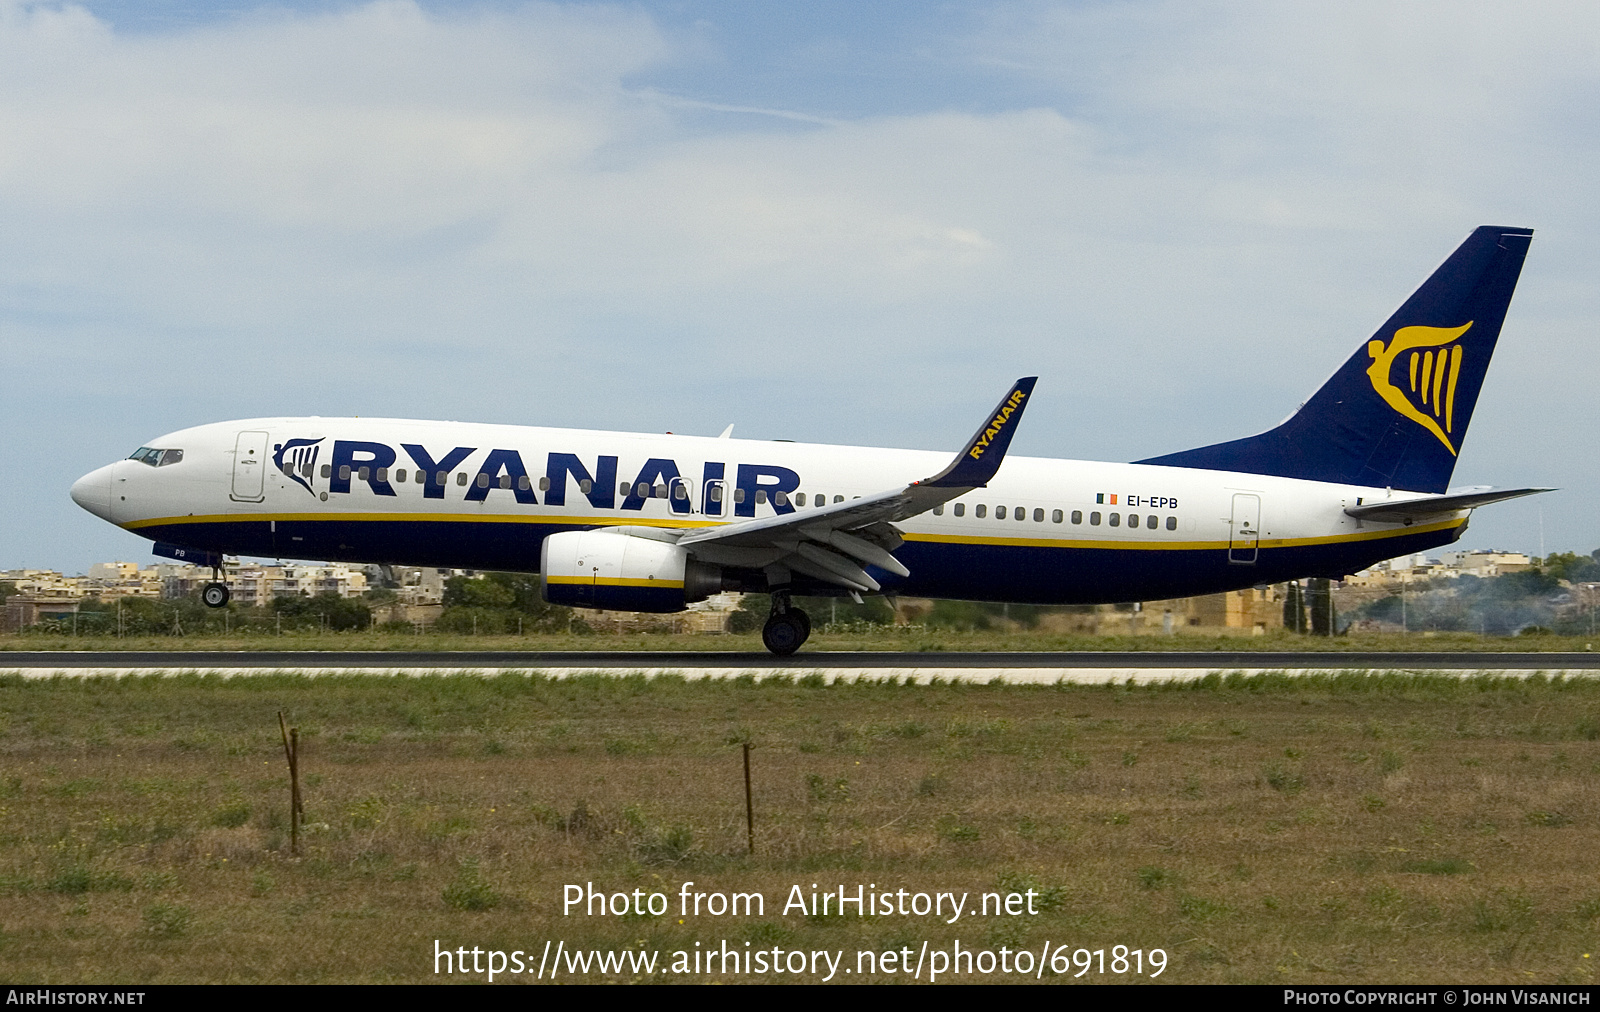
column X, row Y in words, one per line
column 661, row 491
column 1094, row 519
column 799, row 498
column 364, row 474
column 544, row 485
column 999, row 512
column 483, row 480
column 938, row 510
column 1152, row 521
column 441, row 477
column 461, row 477
column 524, row 483
column 716, row 493
column 780, row 498
column 1021, row 512
column 400, row 475
column 584, row 485
column 1056, row 516
column 1038, row 516
column 738, row 495
column 505, row 480
column 979, row 510
column 680, row 492
column 1172, row 523
column 1077, row 516
column 624, row 488
column 961, row 509
column 840, row 498
column 761, row 495
column 327, row 470
column 1114, row 520
column 344, row 472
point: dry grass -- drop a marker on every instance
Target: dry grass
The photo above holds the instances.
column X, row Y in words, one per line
column 1323, row 829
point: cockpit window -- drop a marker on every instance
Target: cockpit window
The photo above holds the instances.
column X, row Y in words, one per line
column 154, row 457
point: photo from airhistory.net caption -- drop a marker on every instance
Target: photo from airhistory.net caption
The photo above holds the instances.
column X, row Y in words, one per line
column 725, row 959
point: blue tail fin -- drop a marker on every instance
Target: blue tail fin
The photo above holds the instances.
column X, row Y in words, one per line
column 1396, row 413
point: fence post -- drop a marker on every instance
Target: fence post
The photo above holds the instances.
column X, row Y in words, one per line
column 749, row 804
column 291, row 749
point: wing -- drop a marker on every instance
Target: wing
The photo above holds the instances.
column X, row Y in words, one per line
column 1409, row 511
column 835, row 543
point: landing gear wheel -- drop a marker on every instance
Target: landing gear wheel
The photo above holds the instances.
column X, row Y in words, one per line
column 805, row 622
column 783, row 634
column 215, row 595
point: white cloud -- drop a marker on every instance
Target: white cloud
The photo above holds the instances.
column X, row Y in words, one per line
column 455, row 213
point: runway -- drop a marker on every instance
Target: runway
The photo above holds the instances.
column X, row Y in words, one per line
column 1086, row 667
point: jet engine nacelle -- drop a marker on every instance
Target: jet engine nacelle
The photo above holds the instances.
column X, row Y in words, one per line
column 604, row 569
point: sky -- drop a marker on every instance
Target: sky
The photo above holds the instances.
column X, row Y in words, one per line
column 831, row 222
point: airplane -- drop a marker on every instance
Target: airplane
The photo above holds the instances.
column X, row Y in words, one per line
column 654, row 522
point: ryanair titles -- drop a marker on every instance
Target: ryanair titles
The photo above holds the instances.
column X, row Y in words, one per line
column 436, row 470
column 997, row 424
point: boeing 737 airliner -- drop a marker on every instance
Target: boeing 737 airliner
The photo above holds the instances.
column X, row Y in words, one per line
column 644, row 522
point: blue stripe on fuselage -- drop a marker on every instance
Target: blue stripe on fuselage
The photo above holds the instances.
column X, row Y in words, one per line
column 1031, row 574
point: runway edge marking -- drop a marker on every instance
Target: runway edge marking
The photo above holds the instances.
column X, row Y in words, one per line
column 921, row 675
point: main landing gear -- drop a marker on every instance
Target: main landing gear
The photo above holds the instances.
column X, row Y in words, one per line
column 787, row 627
column 215, row 594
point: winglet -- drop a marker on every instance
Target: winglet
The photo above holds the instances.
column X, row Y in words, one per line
column 980, row 458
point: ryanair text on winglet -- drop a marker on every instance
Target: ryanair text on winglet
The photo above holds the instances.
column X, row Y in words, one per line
column 999, row 422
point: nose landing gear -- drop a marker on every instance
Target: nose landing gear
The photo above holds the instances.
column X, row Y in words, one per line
column 787, row 627
column 215, row 594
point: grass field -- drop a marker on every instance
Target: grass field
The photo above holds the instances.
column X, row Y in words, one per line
column 1324, row 829
column 908, row 638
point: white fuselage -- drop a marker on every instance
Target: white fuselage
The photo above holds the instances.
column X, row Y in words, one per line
column 1043, row 530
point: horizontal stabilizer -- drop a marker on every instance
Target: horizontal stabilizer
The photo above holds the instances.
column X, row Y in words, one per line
column 1407, row 511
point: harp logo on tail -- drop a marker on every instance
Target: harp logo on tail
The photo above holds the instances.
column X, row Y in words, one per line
column 1432, row 363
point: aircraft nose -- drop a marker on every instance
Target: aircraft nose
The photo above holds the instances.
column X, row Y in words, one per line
column 93, row 492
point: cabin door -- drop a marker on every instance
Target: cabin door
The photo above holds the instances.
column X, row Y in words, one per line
column 1244, row 530
column 249, row 466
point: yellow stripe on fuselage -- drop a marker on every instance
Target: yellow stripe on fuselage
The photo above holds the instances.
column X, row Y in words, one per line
column 438, row 518
column 1185, row 546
